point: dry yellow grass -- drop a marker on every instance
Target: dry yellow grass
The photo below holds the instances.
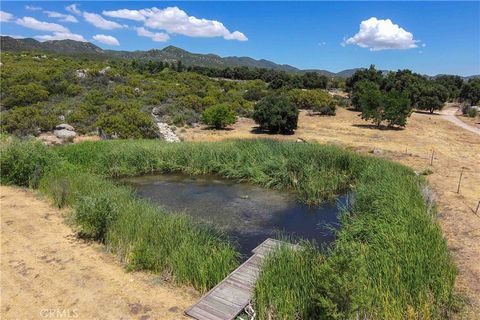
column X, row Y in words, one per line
column 48, row 273
column 455, row 149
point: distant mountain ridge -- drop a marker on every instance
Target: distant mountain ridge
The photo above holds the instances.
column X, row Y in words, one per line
column 167, row 54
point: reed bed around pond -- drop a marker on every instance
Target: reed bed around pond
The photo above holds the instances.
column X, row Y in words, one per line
column 389, row 261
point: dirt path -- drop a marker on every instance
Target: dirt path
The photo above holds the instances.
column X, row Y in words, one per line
column 449, row 114
column 454, row 148
column 47, row 273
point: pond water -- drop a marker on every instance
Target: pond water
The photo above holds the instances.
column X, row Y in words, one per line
column 248, row 214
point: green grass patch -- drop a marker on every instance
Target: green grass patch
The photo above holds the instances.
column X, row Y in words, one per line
column 389, row 261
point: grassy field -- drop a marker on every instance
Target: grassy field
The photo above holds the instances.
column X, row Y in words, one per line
column 389, row 261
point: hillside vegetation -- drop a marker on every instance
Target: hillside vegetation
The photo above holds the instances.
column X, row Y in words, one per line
column 119, row 96
column 123, row 98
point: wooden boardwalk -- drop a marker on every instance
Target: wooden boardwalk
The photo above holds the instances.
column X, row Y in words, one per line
column 228, row 298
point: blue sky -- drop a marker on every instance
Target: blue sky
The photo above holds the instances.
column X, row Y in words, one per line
column 427, row 37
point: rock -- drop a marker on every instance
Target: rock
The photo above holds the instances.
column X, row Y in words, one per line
column 61, row 117
column 377, row 151
column 104, row 70
column 81, row 73
column 156, row 111
column 301, row 140
column 64, row 134
column 50, row 139
column 167, row 133
column 137, row 90
column 64, row 126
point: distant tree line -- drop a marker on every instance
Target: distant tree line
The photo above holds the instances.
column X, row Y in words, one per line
column 391, row 98
column 275, row 78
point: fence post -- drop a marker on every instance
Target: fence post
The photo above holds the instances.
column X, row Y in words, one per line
column 431, row 158
column 459, row 181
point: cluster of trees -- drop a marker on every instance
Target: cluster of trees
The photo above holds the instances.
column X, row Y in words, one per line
column 276, row 79
column 391, row 98
column 470, row 92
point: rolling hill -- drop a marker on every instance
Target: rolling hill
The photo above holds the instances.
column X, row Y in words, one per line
column 167, row 54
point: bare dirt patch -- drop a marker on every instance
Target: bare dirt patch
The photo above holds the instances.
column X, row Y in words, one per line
column 47, row 272
column 454, row 149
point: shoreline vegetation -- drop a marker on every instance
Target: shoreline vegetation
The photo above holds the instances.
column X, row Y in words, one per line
column 389, row 260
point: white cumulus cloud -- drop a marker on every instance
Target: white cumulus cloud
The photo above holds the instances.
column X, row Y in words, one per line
column 155, row 36
column 5, row 16
column 176, row 21
column 61, row 16
column 32, row 23
column 32, row 8
column 137, row 15
column 73, row 9
column 378, row 34
column 61, row 36
column 100, row 22
column 111, row 41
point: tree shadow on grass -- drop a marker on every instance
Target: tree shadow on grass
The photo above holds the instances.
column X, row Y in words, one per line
column 381, row 128
column 426, row 112
column 259, row 130
column 215, row 129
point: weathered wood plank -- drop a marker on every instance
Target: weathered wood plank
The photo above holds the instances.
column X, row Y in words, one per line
column 228, row 298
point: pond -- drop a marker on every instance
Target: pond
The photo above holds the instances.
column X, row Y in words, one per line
column 248, row 214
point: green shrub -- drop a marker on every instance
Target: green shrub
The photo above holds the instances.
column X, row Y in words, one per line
column 219, row 116
column 94, row 214
column 276, row 114
column 24, row 121
column 316, row 100
column 24, row 95
column 24, row 162
column 472, row 112
column 341, row 101
column 128, row 123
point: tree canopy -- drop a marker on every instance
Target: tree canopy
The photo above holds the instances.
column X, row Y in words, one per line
column 277, row 114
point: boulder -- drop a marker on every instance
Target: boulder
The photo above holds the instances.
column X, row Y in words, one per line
column 65, row 134
column 64, row 126
column 81, row 73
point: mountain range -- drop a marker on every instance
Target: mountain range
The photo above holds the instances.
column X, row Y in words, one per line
column 167, row 54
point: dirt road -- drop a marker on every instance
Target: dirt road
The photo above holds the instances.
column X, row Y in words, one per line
column 453, row 148
column 449, row 114
column 48, row 273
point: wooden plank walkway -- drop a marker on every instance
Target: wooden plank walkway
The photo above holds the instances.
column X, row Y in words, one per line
column 228, row 298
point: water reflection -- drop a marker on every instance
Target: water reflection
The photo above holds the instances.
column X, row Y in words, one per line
column 246, row 213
